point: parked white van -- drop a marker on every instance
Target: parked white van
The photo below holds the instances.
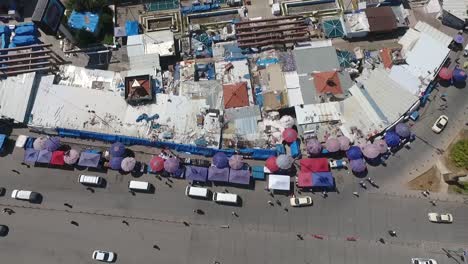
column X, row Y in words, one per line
column 25, row 195
column 91, row 180
column 139, row 185
column 199, row 192
column 231, row 198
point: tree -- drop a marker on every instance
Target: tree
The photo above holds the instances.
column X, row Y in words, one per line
column 459, row 154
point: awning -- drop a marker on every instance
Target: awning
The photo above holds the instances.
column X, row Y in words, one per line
column 333, row 28
column 44, row 156
column 304, row 179
column 30, row 156
column 216, row 174
column 239, row 176
column 115, row 163
column 322, row 179
column 314, row 165
column 196, row 173
column 88, row 159
column 57, row 158
column 279, row 182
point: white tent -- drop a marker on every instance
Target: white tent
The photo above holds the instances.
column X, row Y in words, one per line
column 279, row 182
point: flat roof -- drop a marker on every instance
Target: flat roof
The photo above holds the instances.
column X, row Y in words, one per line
column 381, row 19
column 15, row 96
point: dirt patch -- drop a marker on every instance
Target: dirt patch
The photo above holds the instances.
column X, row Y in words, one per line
column 429, row 180
column 446, row 158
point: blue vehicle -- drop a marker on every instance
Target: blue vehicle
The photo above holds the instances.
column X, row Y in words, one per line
column 3, row 139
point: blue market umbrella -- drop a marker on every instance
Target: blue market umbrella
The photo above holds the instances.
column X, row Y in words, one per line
column 333, row 28
column 117, row 149
column 220, row 160
column 115, row 163
column 392, row 139
column 354, row 153
column 403, row 130
column 459, row 39
column 458, row 75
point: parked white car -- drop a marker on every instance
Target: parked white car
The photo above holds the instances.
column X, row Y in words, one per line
column 301, row 201
column 104, row 256
column 440, row 124
column 25, row 195
column 440, row 218
column 423, row 261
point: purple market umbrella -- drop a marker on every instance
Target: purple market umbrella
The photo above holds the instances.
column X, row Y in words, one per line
column 128, row 164
column 459, row 39
column 117, row 149
column 392, row 139
column 40, row 143
column 171, row 165
column 344, row 142
column 382, row 145
column 196, row 173
column 30, row 156
column 358, row 165
column 115, row 163
column 284, row 161
column 403, row 130
column 371, row 151
column 332, row 145
column 239, row 176
column 354, row 153
column 313, row 146
column 220, row 160
column 44, row 156
column 52, row 144
column 218, row 175
column 459, row 75
column 71, row 156
column 236, row 162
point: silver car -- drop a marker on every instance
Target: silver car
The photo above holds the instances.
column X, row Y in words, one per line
column 104, row 256
column 423, row 261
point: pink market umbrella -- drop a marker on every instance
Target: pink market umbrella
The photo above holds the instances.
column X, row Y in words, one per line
column 358, row 165
column 313, row 146
column 236, row 162
column 332, row 145
column 171, row 165
column 128, row 164
column 402, row 130
column 71, row 156
column 39, row 143
column 156, row 164
column 284, row 161
column 270, row 163
column 445, row 74
column 371, row 151
column 382, row 145
column 344, row 142
column 289, row 135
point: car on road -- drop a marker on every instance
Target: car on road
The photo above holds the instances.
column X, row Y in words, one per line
column 3, row 230
column 104, row 256
column 440, row 218
column 301, row 201
column 440, row 124
column 423, row 261
column 25, row 195
column 2, row 191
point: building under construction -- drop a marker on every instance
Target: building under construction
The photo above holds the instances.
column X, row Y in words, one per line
column 274, row 31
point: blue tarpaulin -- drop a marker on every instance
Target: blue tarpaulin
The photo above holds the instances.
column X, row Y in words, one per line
column 26, row 30
column 322, row 179
column 199, row 8
column 295, row 148
column 131, row 27
column 267, row 61
column 23, row 40
column 84, row 20
column 280, row 149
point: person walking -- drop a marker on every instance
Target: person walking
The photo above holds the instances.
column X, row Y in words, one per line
column 270, row 203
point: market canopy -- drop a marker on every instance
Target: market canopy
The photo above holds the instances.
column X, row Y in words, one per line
column 445, row 74
column 71, row 156
column 289, row 135
column 270, row 163
column 156, row 164
column 304, row 179
column 332, row 145
column 115, row 163
column 171, row 165
column 459, row 39
column 322, row 179
column 236, row 162
column 313, row 146
column 217, row 174
column 358, row 165
column 220, row 160
column 88, row 159
column 314, row 165
column 52, row 143
column 345, row 58
column 128, row 164
column 30, row 156
column 39, row 143
column 117, row 149
column 279, row 182
column 284, row 161
column 344, row 142
column 195, row 173
column 354, row 152
column 44, row 156
column 403, row 130
column 392, row 139
column 333, row 28
column 371, row 151
column 382, row 145
column 239, row 176
column 57, row 158
column 459, row 75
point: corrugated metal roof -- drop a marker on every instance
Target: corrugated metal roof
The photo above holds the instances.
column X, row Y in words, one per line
column 317, row 113
column 458, row 8
column 243, row 112
column 295, row 97
column 15, row 93
column 408, row 40
column 316, row 59
column 355, row 115
column 434, row 33
column 308, row 91
column 292, row 80
column 211, row 90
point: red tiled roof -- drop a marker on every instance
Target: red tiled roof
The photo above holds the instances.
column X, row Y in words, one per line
column 235, row 95
column 327, row 82
column 386, row 55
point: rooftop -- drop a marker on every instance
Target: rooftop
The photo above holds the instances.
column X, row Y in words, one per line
column 160, row 42
column 15, row 96
column 327, row 82
column 356, row 22
column 381, row 19
column 325, row 59
column 235, row 95
column 458, row 8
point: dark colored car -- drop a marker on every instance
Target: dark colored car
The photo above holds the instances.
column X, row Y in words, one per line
column 3, row 230
column 2, row 191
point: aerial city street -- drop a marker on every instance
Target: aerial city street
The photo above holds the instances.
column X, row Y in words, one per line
column 234, row 131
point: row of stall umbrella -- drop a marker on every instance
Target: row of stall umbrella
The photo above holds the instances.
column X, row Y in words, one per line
column 457, row 74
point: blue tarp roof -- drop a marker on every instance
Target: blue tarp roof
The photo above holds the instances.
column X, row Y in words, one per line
column 322, row 179
column 131, row 27
column 84, row 20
